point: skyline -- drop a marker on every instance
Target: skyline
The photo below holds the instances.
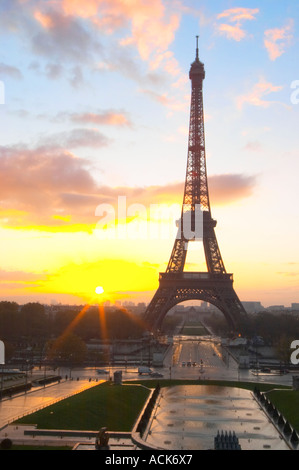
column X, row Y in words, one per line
column 96, row 107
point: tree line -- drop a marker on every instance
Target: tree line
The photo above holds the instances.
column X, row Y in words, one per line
column 276, row 330
column 30, row 323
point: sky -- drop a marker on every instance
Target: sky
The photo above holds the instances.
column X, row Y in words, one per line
column 94, row 113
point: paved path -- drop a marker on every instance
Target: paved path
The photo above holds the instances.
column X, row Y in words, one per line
column 13, row 408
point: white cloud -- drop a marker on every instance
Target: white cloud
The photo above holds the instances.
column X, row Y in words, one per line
column 255, row 97
column 276, row 40
column 235, row 17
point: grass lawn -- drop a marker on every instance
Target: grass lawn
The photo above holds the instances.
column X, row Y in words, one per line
column 194, row 331
column 194, row 328
column 287, row 402
column 116, row 407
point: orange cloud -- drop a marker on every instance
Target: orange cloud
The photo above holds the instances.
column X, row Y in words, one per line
column 277, row 39
column 81, row 8
column 236, row 16
column 45, row 20
column 256, row 95
column 52, row 189
column 72, row 30
column 110, row 118
column 152, row 25
column 226, row 189
column 232, row 32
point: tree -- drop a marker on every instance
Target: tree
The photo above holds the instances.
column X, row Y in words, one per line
column 9, row 324
column 34, row 320
column 67, row 349
column 283, row 350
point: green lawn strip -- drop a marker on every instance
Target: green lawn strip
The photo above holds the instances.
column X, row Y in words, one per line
column 287, row 403
column 194, row 328
column 114, row 406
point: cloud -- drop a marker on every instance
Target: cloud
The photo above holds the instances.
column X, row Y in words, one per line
column 18, row 276
column 18, row 281
column 48, row 31
column 235, row 17
column 50, row 188
column 165, row 100
column 72, row 26
column 239, row 14
column 54, row 71
column 61, row 36
column 109, row 117
column 152, row 25
column 256, row 95
column 253, row 146
column 276, row 40
column 33, row 181
column 288, row 273
column 71, row 33
column 76, row 138
column 229, row 188
column 232, row 32
column 10, row 71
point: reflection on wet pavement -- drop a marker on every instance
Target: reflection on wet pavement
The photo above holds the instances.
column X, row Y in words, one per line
column 16, row 407
column 190, row 416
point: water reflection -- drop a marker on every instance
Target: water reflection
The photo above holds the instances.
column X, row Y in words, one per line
column 190, row 416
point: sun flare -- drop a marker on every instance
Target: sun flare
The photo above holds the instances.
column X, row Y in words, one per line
column 99, row 290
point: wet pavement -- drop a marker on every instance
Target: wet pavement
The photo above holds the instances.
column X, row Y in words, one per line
column 217, row 363
column 25, row 403
column 189, row 417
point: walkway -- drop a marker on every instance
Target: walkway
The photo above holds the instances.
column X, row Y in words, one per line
column 18, row 406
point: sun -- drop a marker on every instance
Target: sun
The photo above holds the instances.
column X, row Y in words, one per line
column 99, row 290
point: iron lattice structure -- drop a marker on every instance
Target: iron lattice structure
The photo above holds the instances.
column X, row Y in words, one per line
column 176, row 285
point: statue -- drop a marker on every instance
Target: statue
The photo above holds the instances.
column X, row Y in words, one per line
column 102, row 440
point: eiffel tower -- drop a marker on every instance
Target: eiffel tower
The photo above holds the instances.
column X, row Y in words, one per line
column 176, row 285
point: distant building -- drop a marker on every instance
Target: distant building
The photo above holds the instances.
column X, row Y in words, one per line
column 140, row 308
column 295, row 306
column 276, row 308
column 128, row 303
column 192, row 314
column 253, row 307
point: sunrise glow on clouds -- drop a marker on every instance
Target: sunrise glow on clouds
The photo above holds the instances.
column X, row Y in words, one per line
column 97, row 101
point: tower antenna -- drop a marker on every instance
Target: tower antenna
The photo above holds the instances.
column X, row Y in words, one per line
column 197, row 47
